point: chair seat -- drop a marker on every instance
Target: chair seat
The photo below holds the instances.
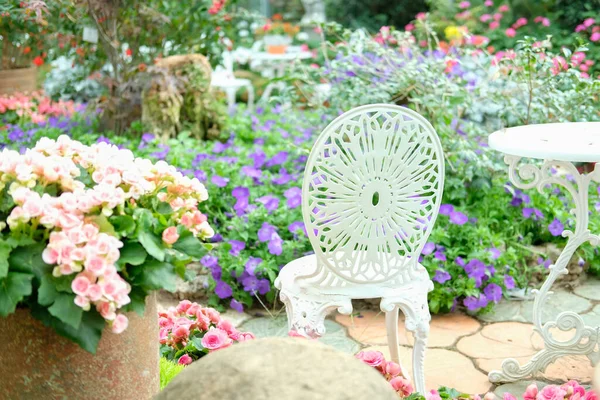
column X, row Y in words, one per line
column 307, row 265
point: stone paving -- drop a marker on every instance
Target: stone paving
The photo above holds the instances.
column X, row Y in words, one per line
column 462, row 349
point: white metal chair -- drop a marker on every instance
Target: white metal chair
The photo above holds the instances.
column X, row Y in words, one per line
column 370, row 197
column 224, row 79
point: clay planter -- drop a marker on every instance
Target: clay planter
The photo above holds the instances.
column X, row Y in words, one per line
column 18, row 80
column 37, row 363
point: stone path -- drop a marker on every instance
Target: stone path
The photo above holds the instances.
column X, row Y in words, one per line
column 462, row 349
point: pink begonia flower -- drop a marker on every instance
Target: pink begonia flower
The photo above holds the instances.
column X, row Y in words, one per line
column 183, row 306
column 579, row 28
column 80, row 285
column 409, row 28
column 227, row 326
column 574, row 388
column 371, row 358
column 215, row 339
column 498, row 16
column 531, row 392
column 489, row 396
column 120, row 323
column 244, row 336
column 392, row 369
column 595, row 37
column 494, row 25
column 510, row 32
column 170, row 235
column 508, row 396
column 82, row 302
column 421, row 16
column 559, row 64
column 185, row 360
column 107, row 310
column 588, row 22
column 433, row 395
column 591, row 395
column 464, row 4
column 488, row 3
column 503, row 8
column 551, row 392
column 485, row 17
column 94, row 292
column 402, row 386
column 519, row 23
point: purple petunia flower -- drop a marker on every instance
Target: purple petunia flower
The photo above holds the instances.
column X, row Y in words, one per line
column 284, row 177
column 219, row 147
column 266, row 231
column 446, row 209
column 493, row 292
column 473, row 303
column 533, row 213
column 259, row 158
column 275, row 245
column 200, row 175
column 236, row 247
column 439, row 255
column 509, row 282
column 236, row 305
column 278, row 159
column 209, row 261
column 264, row 286
column 441, row 276
column 495, row 253
column 219, row 180
column 223, row 290
column 293, row 196
column 270, row 202
column 251, row 264
column 297, row 226
column 251, row 172
column 476, row 270
column 556, row 227
column 458, row 218
column 240, row 192
column 250, row 284
column 460, row 261
column 428, row 248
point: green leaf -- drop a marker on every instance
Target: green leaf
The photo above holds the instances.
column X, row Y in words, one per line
column 155, row 275
column 190, row 245
column 13, row 288
column 103, row 224
column 65, row 309
column 5, row 250
column 153, row 244
column 164, row 208
column 28, row 259
column 87, row 335
column 47, row 292
column 132, row 253
column 138, row 301
column 123, row 224
column 197, row 342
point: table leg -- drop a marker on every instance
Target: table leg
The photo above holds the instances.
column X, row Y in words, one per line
column 585, row 338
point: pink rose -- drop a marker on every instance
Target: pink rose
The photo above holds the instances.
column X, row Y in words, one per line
column 183, row 306
column 371, row 358
column 94, row 292
column 82, row 302
column 392, row 369
column 170, row 235
column 50, row 256
column 531, row 392
column 80, row 285
column 181, row 332
column 95, row 264
column 185, row 360
column 163, row 335
column 107, row 310
column 227, row 326
column 120, row 323
column 402, row 386
column 216, row 339
column 591, row 395
column 574, row 388
column 551, row 392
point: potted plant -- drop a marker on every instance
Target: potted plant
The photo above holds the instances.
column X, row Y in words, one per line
column 22, row 33
column 277, row 35
column 90, row 233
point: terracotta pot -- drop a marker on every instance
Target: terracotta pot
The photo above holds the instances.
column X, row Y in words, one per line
column 276, row 48
column 37, row 363
column 18, row 80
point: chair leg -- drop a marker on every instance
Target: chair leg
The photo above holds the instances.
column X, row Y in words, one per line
column 230, row 99
column 421, row 334
column 250, row 97
column 391, row 322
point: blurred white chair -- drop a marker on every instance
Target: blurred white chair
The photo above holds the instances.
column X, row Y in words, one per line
column 224, row 79
column 371, row 194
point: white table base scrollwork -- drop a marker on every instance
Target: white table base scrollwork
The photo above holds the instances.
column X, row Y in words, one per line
column 585, row 338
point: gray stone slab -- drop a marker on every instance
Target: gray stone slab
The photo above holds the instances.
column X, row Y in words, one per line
column 516, row 388
column 592, row 318
column 335, row 333
column 522, row 311
column 590, row 289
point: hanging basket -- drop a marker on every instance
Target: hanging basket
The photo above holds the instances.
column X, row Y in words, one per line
column 18, row 80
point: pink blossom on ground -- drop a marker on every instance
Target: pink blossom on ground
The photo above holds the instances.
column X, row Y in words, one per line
column 371, row 358
column 185, row 360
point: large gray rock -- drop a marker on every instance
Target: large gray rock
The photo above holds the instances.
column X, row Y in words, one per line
column 278, row 368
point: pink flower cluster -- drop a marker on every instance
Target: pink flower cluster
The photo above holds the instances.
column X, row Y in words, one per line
column 567, row 391
column 179, row 325
column 391, row 371
column 76, row 244
column 35, row 107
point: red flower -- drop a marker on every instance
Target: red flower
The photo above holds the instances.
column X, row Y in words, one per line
column 39, row 61
column 128, row 52
column 27, row 50
column 142, row 67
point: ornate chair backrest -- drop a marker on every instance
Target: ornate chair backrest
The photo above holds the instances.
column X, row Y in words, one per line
column 371, row 194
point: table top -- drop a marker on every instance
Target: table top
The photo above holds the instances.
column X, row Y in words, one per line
column 296, row 55
column 569, row 141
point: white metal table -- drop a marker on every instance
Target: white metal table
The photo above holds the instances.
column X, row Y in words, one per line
column 277, row 63
column 558, row 145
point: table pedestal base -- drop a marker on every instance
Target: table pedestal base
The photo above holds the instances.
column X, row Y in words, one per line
column 585, row 338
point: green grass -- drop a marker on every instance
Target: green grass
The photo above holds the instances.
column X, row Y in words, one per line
column 168, row 371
